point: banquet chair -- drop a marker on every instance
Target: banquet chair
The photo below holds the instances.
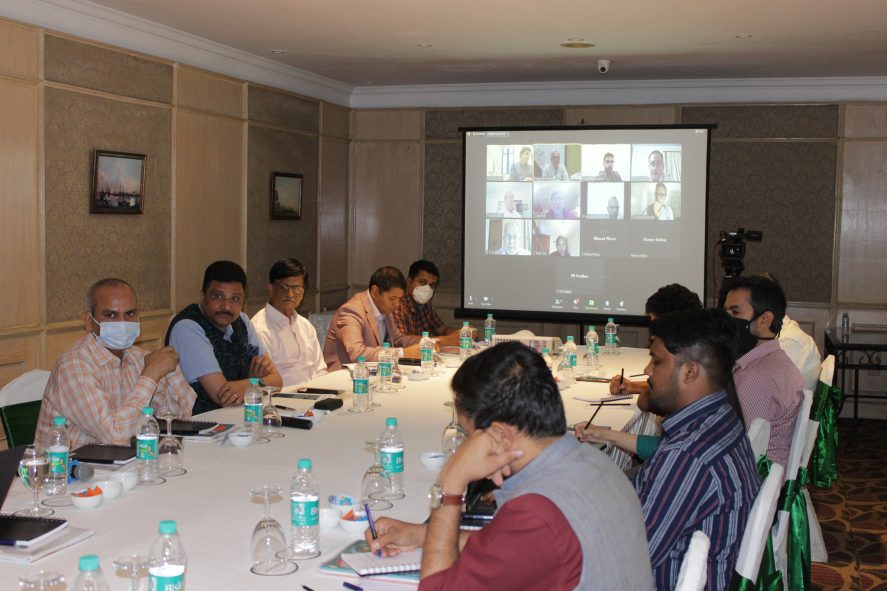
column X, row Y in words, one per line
column 694, row 568
column 321, row 322
column 825, row 410
column 20, row 402
column 753, row 546
column 759, row 436
column 791, row 549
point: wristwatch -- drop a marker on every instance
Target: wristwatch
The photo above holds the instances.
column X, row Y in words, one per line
column 439, row 498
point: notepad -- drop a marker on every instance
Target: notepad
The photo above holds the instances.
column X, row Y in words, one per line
column 337, row 566
column 23, row 531
column 367, row 563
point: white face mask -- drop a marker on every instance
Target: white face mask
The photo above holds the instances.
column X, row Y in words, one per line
column 423, row 294
column 117, row 335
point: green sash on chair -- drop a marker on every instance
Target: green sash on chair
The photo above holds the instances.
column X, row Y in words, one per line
column 798, row 543
column 824, row 459
column 769, row 578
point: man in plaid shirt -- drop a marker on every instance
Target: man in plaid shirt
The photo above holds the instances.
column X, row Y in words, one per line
column 416, row 313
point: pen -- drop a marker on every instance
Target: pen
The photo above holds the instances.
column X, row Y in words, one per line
column 351, row 586
column 372, row 524
column 599, row 407
column 638, row 375
column 307, row 588
column 622, row 377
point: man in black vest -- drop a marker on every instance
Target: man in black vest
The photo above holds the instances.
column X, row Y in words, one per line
column 218, row 348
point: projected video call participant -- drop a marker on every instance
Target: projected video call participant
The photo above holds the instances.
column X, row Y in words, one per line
column 523, row 169
column 613, row 208
column 608, row 174
column 660, row 209
column 562, row 249
column 512, row 240
column 554, row 169
column 559, row 206
column 509, row 206
column 656, row 162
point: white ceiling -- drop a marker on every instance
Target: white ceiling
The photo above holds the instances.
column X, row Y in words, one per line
column 362, row 43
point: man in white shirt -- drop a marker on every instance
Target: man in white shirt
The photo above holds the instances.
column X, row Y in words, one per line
column 289, row 338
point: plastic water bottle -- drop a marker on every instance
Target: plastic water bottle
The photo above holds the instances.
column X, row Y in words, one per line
column 570, row 350
column 565, row 375
column 465, row 341
column 361, row 387
column 167, row 563
column 592, row 355
column 304, row 498
column 546, row 356
column 391, row 447
column 426, row 353
column 489, row 330
column 611, row 347
column 146, row 445
column 252, row 408
column 385, row 368
column 90, row 577
column 58, row 449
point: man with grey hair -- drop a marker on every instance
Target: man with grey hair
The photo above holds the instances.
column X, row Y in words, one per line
column 101, row 383
column 512, row 240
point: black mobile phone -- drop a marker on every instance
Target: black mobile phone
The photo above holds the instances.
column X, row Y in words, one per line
column 310, row 390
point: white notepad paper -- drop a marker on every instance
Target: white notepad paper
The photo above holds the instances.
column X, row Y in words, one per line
column 367, row 563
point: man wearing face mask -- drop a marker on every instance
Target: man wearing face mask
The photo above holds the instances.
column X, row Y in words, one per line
column 101, row 384
column 767, row 382
column 416, row 313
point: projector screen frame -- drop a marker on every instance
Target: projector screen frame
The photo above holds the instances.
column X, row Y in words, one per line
column 570, row 317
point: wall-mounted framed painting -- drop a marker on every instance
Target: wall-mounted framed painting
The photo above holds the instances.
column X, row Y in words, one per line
column 118, row 183
column 286, row 196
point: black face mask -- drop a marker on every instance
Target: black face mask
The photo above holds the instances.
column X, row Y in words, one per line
column 745, row 340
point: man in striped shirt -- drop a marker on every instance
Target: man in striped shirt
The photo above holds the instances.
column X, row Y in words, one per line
column 101, row 383
column 703, row 475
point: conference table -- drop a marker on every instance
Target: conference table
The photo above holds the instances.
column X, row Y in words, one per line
column 216, row 515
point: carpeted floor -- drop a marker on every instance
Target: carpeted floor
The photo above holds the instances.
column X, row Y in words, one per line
column 853, row 512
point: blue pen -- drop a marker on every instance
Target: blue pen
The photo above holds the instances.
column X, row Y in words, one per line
column 366, row 507
column 348, row 585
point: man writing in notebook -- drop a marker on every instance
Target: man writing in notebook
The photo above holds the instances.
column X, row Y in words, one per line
column 567, row 517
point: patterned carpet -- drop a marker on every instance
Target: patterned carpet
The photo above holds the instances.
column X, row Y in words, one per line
column 853, row 512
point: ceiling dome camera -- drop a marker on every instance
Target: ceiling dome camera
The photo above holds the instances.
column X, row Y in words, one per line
column 603, row 66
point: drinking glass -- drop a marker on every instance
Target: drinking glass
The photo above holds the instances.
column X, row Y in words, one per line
column 397, row 378
column 268, row 547
column 376, row 385
column 453, row 435
column 133, row 567
column 272, row 425
column 170, row 453
column 374, row 486
column 32, row 469
column 42, row 580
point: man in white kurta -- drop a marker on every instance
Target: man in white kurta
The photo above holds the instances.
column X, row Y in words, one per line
column 289, row 338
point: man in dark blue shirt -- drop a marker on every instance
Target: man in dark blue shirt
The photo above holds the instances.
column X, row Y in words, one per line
column 702, row 476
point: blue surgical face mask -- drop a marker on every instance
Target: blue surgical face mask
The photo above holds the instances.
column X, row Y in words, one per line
column 117, row 335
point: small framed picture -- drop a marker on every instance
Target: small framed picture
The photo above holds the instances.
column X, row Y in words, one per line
column 286, row 196
column 118, row 183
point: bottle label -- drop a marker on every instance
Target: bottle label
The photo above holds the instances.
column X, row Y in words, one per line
column 305, row 513
column 427, row 355
column 611, row 338
column 465, row 342
column 392, row 461
column 146, row 447
column 595, row 347
column 169, row 583
column 489, row 331
column 361, row 386
column 385, row 369
column 58, row 461
column 252, row 413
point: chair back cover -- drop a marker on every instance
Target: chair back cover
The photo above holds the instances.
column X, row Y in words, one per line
column 757, row 528
column 827, row 375
column 694, row 568
column 28, row 387
column 759, row 436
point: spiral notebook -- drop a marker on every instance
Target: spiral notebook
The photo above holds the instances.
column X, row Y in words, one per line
column 339, row 565
column 367, row 563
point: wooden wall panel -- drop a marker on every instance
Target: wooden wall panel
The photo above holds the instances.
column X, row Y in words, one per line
column 21, row 252
column 865, row 121
column 333, row 239
column 209, row 203
column 387, row 219
column 335, row 121
column 620, row 116
column 18, row 355
column 863, row 239
column 19, row 50
column 205, row 91
column 401, row 124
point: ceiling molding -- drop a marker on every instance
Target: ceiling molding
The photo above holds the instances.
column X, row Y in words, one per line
column 98, row 23
column 630, row 92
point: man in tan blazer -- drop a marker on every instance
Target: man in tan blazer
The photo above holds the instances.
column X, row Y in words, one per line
column 364, row 322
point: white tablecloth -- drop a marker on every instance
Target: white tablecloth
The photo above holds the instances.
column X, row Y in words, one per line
column 212, row 504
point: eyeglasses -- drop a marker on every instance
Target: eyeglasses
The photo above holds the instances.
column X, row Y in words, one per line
column 218, row 298
column 285, row 288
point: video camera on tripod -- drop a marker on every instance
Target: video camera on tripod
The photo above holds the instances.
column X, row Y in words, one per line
column 731, row 249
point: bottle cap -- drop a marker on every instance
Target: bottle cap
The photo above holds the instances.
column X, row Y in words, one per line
column 610, row 319
column 464, row 324
column 254, row 381
column 391, row 422
column 591, row 328
column 304, row 464
column 58, row 421
column 168, row 527
column 570, row 339
column 147, row 411
column 424, row 333
column 361, row 359
column 489, row 315
column 89, row 562
column 386, row 345
column 546, row 350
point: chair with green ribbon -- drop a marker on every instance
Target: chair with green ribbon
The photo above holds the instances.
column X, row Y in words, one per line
column 759, row 436
column 694, row 568
column 791, row 541
column 754, row 563
column 20, row 402
column 826, row 405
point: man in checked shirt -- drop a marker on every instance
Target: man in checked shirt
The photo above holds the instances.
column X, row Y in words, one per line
column 101, row 383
